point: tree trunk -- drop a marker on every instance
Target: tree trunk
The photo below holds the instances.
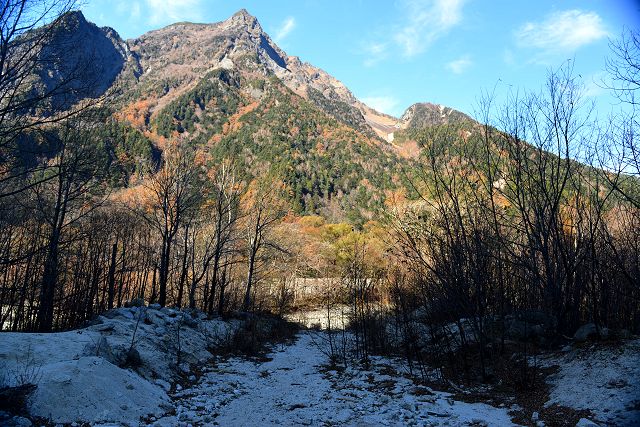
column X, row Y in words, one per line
column 247, row 295
column 164, row 270
column 49, row 279
column 183, row 273
column 112, row 276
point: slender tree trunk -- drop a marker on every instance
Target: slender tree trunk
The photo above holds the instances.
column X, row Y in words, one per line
column 49, row 279
column 112, row 276
column 50, row 275
column 183, row 272
column 252, row 263
column 164, row 270
column 223, row 286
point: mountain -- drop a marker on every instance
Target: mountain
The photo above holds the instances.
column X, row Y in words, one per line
column 423, row 115
column 79, row 61
column 240, row 43
column 229, row 90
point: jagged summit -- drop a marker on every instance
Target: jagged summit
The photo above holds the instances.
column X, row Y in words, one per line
column 81, row 60
column 179, row 55
column 244, row 15
column 425, row 114
column 243, row 20
column 74, row 16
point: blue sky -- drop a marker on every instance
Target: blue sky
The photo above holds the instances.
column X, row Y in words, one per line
column 392, row 54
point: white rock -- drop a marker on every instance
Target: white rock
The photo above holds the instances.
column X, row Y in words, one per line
column 584, row 422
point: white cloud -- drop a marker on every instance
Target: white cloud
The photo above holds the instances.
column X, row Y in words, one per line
column 285, row 28
column 426, row 20
column 375, row 53
column 594, row 85
column 170, row 11
column 562, row 32
column 460, row 65
column 508, row 57
column 384, row 104
column 132, row 9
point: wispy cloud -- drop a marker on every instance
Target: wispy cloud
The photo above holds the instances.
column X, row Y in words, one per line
column 285, row 29
column 508, row 57
column 460, row 65
column 170, row 11
column 562, row 32
column 386, row 104
column 425, row 21
column 133, row 9
column 421, row 22
column 594, row 85
column 375, row 52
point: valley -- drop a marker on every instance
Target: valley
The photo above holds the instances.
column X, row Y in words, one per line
column 198, row 228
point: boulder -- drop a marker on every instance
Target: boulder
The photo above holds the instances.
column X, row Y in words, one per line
column 590, row 331
column 101, row 348
column 538, row 317
column 521, row 330
column 136, row 302
column 111, row 314
column 189, row 321
column 585, row 422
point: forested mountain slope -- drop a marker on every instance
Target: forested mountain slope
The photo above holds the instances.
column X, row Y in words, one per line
column 228, row 90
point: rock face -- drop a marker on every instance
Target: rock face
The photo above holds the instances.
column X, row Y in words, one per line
column 79, row 61
column 181, row 53
column 177, row 56
column 423, row 115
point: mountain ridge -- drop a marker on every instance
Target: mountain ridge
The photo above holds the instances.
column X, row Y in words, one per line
column 162, row 53
column 228, row 91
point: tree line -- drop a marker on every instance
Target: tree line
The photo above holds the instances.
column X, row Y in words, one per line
column 529, row 219
column 526, row 228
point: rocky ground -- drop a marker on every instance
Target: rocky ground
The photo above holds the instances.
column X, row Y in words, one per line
column 124, row 370
column 294, row 386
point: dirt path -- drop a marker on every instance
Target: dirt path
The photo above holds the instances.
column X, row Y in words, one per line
column 294, row 388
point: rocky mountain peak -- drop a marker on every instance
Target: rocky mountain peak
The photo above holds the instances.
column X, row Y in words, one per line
column 80, row 60
column 425, row 114
column 177, row 56
column 244, row 15
column 75, row 17
column 244, row 21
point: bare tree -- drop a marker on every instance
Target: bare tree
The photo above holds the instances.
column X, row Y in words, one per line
column 264, row 208
column 26, row 30
column 64, row 200
column 174, row 196
column 620, row 154
column 31, row 47
column 623, row 66
column 225, row 213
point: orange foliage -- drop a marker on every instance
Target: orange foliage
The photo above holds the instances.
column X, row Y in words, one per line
column 234, row 122
column 137, row 113
column 215, row 139
column 160, row 141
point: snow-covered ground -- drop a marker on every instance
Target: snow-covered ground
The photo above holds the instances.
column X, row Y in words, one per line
column 80, row 379
column 77, row 374
column 604, row 380
column 295, row 388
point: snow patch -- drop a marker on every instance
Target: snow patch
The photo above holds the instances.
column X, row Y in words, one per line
column 605, row 380
column 296, row 388
column 77, row 373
